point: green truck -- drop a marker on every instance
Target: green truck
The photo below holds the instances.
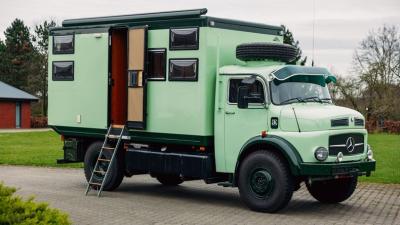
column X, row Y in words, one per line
column 183, row 96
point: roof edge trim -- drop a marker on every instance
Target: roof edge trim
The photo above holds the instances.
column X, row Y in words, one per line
column 192, row 13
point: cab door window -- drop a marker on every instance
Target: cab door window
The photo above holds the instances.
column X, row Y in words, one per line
column 256, row 90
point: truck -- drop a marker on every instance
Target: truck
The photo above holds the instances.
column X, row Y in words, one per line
column 183, row 96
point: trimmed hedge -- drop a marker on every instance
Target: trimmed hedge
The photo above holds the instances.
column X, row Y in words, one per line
column 389, row 126
column 14, row 210
column 38, row 122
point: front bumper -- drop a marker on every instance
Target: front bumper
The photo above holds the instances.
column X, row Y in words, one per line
column 337, row 169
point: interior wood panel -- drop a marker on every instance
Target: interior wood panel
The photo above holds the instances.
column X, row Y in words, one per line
column 118, row 75
column 136, row 49
column 135, row 104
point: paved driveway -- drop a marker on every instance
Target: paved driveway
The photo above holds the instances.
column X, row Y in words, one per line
column 141, row 200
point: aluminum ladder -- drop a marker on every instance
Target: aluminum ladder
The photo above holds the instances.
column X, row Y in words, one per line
column 97, row 185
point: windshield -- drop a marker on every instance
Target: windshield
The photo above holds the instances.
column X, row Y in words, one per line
column 296, row 90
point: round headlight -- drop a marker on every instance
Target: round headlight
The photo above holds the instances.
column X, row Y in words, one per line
column 321, row 153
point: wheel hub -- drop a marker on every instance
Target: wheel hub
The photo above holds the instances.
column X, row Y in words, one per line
column 261, row 182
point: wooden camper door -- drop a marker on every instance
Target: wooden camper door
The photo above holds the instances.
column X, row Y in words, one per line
column 137, row 52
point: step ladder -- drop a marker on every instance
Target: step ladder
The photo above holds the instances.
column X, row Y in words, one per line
column 105, row 147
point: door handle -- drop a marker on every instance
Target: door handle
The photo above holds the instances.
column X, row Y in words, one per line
column 229, row 112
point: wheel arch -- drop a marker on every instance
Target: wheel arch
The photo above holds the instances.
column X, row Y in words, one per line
column 271, row 143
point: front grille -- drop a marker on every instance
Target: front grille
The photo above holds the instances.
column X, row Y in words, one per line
column 340, row 143
column 340, row 122
column 358, row 122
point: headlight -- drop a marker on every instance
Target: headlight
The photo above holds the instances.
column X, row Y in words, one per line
column 321, row 154
column 370, row 154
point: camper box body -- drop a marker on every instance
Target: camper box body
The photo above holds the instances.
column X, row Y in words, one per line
column 174, row 111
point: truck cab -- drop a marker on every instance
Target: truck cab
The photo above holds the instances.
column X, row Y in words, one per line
column 286, row 111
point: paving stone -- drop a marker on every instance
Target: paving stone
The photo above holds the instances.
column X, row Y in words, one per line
column 142, row 200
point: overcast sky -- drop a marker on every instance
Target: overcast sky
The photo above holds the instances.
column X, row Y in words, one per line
column 339, row 25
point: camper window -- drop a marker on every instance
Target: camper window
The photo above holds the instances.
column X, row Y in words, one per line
column 184, row 39
column 183, row 69
column 157, row 61
column 63, row 71
column 63, row 44
column 256, row 91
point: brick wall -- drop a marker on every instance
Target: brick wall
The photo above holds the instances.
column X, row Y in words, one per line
column 26, row 115
column 7, row 114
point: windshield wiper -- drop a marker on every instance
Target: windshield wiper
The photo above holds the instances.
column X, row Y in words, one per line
column 315, row 98
column 326, row 99
column 291, row 99
column 318, row 99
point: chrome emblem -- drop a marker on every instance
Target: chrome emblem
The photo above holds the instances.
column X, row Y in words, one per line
column 350, row 144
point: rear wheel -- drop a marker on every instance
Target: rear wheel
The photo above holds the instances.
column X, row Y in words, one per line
column 265, row 183
column 116, row 172
column 332, row 191
column 169, row 179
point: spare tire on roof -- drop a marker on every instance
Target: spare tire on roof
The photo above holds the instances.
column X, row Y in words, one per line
column 260, row 51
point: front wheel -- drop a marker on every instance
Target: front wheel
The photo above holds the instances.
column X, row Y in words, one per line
column 265, row 183
column 333, row 190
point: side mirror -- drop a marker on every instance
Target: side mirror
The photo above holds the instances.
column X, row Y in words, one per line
column 243, row 93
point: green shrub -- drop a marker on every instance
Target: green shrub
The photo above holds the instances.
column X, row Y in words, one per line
column 14, row 210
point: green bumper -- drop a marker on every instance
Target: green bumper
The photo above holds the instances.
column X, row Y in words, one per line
column 333, row 169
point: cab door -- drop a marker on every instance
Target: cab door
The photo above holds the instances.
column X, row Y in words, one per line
column 137, row 52
column 243, row 124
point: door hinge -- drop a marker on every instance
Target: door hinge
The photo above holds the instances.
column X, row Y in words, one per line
column 109, row 40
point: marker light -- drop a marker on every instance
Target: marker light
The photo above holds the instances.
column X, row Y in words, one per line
column 321, row 153
column 370, row 154
column 263, row 133
column 339, row 157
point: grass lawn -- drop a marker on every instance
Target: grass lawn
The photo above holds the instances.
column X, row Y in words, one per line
column 33, row 149
column 386, row 148
column 44, row 148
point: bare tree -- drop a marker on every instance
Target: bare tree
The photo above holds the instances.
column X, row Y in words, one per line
column 377, row 62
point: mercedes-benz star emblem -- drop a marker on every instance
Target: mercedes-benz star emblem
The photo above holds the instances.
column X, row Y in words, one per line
column 350, row 144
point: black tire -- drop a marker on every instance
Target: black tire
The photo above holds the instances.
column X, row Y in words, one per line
column 260, row 51
column 169, row 179
column 332, row 191
column 116, row 173
column 265, row 182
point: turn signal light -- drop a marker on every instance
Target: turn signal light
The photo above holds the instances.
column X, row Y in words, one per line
column 263, row 133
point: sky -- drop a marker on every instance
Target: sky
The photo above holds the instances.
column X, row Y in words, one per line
column 339, row 25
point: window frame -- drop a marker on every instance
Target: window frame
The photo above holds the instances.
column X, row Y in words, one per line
column 196, row 47
column 261, row 80
column 63, row 79
column 164, row 67
column 195, row 79
column 64, row 53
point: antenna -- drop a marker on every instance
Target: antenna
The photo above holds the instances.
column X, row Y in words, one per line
column 313, row 35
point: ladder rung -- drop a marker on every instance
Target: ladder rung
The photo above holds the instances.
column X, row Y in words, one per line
column 113, row 136
column 118, row 126
column 108, row 148
column 105, row 160
column 92, row 183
